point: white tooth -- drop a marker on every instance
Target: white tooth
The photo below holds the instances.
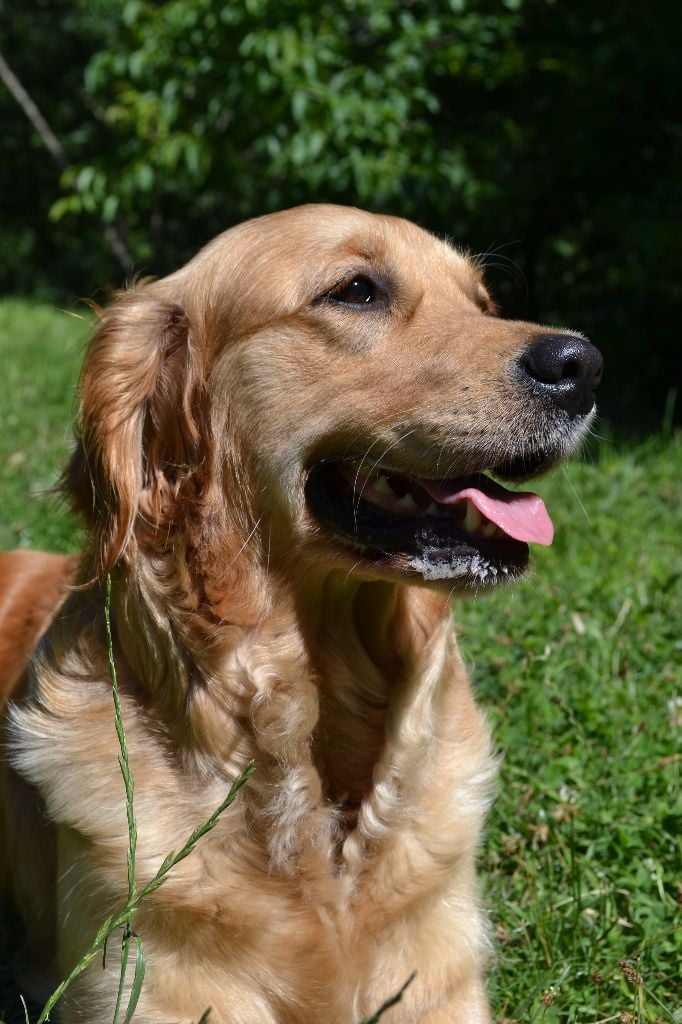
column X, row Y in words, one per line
column 472, row 519
column 407, row 503
column 382, row 485
column 488, row 529
column 432, row 510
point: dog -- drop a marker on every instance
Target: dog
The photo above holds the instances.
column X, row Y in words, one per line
column 282, row 461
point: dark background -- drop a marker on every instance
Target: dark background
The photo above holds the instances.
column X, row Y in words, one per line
column 544, row 134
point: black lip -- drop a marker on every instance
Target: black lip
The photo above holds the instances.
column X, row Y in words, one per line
column 526, row 467
column 382, row 535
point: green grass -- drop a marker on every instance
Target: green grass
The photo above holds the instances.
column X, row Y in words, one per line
column 579, row 670
column 40, row 351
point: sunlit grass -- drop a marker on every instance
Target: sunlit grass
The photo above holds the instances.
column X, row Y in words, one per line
column 579, row 669
column 41, row 350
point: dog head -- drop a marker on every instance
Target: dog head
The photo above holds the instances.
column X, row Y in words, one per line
column 332, row 388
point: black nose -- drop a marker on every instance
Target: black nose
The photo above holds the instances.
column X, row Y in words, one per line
column 565, row 368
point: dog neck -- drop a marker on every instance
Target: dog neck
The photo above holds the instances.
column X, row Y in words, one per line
column 344, row 693
column 369, row 645
column 350, row 699
column 320, row 669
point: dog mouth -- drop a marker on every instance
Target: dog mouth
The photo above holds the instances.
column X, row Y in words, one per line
column 468, row 531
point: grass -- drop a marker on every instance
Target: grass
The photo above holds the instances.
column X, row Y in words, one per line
column 579, row 670
column 41, row 351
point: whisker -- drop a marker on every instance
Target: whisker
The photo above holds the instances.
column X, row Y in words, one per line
column 576, row 495
column 393, row 444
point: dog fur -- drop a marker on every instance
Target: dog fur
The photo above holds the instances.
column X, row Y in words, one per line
column 244, row 630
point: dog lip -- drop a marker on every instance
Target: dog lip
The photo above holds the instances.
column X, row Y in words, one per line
column 526, row 467
column 518, row 469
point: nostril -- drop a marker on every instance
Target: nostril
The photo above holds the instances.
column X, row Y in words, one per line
column 553, row 358
column 565, row 367
column 571, row 368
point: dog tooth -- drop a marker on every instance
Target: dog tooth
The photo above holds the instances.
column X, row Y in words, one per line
column 382, row 484
column 407, row 503
column 472, row 519
column 432, row 510
column 488, row 529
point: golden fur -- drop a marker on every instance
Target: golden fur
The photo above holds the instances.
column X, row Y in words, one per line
column 241, row 632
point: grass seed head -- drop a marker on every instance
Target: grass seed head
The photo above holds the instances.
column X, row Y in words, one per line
column 630, row 971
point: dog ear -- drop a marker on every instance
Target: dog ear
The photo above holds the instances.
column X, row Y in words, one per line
column 141, row 439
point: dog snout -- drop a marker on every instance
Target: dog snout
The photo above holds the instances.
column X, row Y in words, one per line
column 564, row 367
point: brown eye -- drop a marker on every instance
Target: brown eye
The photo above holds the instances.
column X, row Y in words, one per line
column 358, row 292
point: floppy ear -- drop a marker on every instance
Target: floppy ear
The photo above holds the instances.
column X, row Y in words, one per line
column 140, row 438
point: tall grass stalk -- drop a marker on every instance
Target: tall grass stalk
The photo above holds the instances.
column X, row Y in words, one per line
column 392, row 1001
column 123, row 918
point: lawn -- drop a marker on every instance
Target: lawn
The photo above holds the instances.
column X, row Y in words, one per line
column 578, row 668
column 41, row 350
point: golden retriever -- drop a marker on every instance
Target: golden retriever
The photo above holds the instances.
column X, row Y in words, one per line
column 281, row 461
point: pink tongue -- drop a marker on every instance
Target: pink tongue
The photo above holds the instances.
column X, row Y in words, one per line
column 520, row 514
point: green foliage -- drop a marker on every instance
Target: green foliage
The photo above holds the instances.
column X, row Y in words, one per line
column 547, row 130
column 48, row 43
column 215, row 113
column 282, row 100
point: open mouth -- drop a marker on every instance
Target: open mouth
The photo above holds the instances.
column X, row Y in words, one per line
column 469, row 530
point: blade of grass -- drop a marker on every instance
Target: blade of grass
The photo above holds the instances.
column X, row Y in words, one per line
column 125, row 946
column 124, row 917
column 174, row 858
column 129, row 785
column 138, row 978
column 390, row 1002
column 123, row 756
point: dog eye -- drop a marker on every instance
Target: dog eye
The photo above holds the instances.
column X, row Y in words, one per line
column 484, row 302
column 361, row 291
